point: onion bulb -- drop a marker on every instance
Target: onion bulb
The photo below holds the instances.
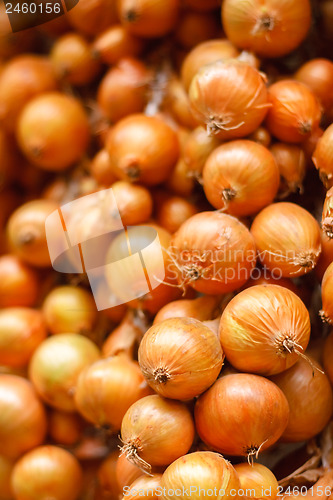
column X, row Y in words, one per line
column 323, row 157
column 287, row 238
column 106, row 389
column 124, row 338
column 197, row 148
column 328, row 357
column 56, row 365
column 156, row 431
column 47, row 472
column 149, row 487
column 241, row 414
column 107, row 478
column 213, row 253
column 180, row 358
column 290, row 159
column 126, row 472
column 327, row 215
column 65, row 428
column 199, row 474
column 264, row 329
column 240, row 177
column 257, row 481
column 229, row 97
column 203, row 308
column 310, row 397
column 326, row 312
column 317, row 74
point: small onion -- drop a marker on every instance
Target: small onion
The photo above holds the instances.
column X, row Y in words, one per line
column 290, row 160
column 47, row 472
column 149, row 487
column 295, row 111
column 326, row 312
column 107, row 388
column 124, row 338
column 18, row 283
column 115, row 43
column 194, row 28
column 156, row 431
column 257, row 481
column 173, row 212
column 241, row 414
column 198, row 146
column 229, row 97
column 317, row 74
column 65, row 428
column 107, row 478
column 21, row 331
column 134, row 202
column 126, row 472
column 310, row 144
column 22, row 416
column 100, row 168
column 203, row 308
column 264, row 329
column 328, row 357
column 180, row 358
column 266, row 27
column 323, row 157
column 287, row 238
column 213, row 252
column 55, row 367
column 6, row 467
column 326, row 256
column 177, row 102
column 310, row 399
column 240, row 177
column 261, row 136
column 199, row 474
column 327, row 215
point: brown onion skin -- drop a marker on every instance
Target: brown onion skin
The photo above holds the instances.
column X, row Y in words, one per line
column 115, row 43
column 19, row 283
column 295, row 111
column 177, row 102
column 124, row 338
column 264, row 328
column 241, row 177
column 323, row 157
column 205, row 248
column 203, row 308
column 180, row 182
column 53, row 131
column 261, row 136
column 130, row 159
column 194, row 28
column 198, row 146
column 203, row 53
column 201, row 469
column 310, row 400
column 22, row 416
column 23, row 78
column 157, row 430
column 317, row 74
column 55, row 471
column 134, row 202
column 174, row 211
column 328, row 357
column 93, row 16
column 176, row 372
column 229, row 97
column 287, row 238
column 21, row 331
column 100, row 168
column 26, row 232
column 261, row 414
column 267, row 28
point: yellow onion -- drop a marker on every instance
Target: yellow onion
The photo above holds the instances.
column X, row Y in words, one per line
column 47, row 472
column 156, row 431
column 257, row 481
column 107, row 478
column 149, row 487
column 310, row 397
column 126, row 472
column 241, row 414
column 106, row 389
column 180, row 358
column 264, row 329
column 197, row 148
column 291, row 162
column 124, row 338
column 323, row 157
column 202, row 473
column 65, row 428
column 202, row 308
column 287, row 238
column 6, row 467
column 56, row 365
column 327, row 216
column 326, row 312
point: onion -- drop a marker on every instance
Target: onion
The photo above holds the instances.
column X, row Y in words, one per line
column 198, row 146
column 107, row 388
column 261, row 136
column 134, row 202
column 287, row 238
column 229, row 97
column 201, row 472
column 100, row 168
column 310, row 144
column 328, row 356
column 18, row 283
column 177, row 102
column 240, row 177
column 269, row 28
column 295, row 111
column 148, row 18
column 56, row 365
column 205, row 53
column 156, row 431
column 107, row 478
column 257, row 481
column 310, row 399
column 241, row 414
column 203, row 308
column 53, row 131
column 69, row 309
column 26, row 231
column 264, row 329
column 180, row 358
column 93, row 16
column 142, row 148
column 47, row 472
column 326, row 256
column 290, row 160
column 326, row 312
column 6, row 467
column 126, row 472
column 327, row 215
column 317, row 74
column 65, row 428
column 213, row 253
column 323, row 157
column 150, row 487
column 194, row 28
column 173, row 212
column 180, row 182
column 124, row 338
column 21, row 331
column 22, row 416
column 115, row 43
